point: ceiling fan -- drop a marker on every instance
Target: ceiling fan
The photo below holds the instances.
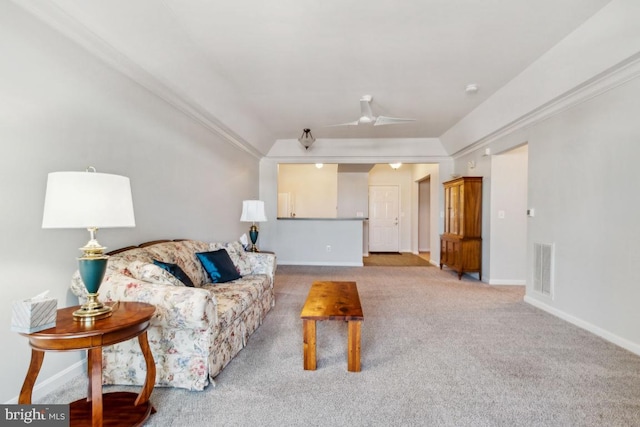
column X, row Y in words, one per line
column 367, row 117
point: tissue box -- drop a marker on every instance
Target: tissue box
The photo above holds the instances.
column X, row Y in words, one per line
column 33, row 315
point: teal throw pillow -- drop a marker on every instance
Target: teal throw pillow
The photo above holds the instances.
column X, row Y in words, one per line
column 176, row 271
column 218, row 266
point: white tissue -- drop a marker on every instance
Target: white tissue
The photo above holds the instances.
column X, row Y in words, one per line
column 244, row 240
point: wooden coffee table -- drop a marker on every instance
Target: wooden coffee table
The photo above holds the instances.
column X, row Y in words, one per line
column 332, row 301
column 129, row 320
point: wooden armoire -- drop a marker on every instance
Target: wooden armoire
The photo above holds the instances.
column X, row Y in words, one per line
column 461, row 242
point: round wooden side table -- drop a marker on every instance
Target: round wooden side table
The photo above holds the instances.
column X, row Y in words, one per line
column 129, row 320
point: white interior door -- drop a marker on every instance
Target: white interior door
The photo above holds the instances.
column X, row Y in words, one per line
column 384, row 215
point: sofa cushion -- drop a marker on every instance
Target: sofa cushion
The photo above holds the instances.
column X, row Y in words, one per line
column 233, row 300
column 218, row 266
column 235, row 297
column 176, row 271
column 152, row 273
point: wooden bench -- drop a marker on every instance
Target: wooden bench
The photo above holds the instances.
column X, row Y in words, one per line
column 332, row 301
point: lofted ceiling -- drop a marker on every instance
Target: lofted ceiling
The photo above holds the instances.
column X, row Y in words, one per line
column 266, row 70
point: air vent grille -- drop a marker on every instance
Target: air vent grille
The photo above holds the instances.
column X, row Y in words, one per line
column 543, row 268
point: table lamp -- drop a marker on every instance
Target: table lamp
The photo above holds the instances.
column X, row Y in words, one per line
column 89, row 200
column 253, row 211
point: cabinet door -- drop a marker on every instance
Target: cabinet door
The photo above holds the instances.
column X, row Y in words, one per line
column 454, row 209
column 447, row 213
column 461, row 210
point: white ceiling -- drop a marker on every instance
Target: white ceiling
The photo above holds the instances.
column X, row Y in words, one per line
column 282, row 66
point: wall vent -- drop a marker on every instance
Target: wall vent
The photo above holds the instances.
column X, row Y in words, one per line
column 543, row 254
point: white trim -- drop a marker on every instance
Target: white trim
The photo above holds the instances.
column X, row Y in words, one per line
column 357, row 159
column 323, row 263
column 55, row 382
column 608, row 80
column 613, row 338
column 503, row 282
column 65, row 24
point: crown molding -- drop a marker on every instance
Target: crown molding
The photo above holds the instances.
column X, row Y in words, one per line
column 56, row 18
column 359, row 159
column 606, row 81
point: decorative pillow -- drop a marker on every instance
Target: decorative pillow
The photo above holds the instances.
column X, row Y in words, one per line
column 152, row 273
column 237, row 254
column 176, row 271
column 218, row 266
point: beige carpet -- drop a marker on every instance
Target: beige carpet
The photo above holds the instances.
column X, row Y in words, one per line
column 436, row 351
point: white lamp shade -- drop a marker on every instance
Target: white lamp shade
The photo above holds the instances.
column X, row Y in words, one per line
column 253, row 211
column 87, row 200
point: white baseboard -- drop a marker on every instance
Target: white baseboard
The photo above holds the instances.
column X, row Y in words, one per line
column 613, row 338
column 56, row 381
column 325, row 263
column 499, row 282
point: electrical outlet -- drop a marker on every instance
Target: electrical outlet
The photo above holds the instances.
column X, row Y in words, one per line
column 328, row 248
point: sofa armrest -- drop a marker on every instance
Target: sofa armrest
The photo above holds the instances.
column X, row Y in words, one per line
column 176, row 306
column 263, row 263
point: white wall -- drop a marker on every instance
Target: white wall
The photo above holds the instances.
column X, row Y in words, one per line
column 62, row 109
column 507, row 214
column 583, row 185
column 353, row 194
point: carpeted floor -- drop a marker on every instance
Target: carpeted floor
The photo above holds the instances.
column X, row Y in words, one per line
column 436, row 351
column 394, row 259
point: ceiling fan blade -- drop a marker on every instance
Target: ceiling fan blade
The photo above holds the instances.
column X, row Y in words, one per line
column 383, row 120
column 344, row 124
column 365, row 107
column 367, row 117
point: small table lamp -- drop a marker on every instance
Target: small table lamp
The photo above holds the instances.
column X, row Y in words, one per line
column 253, row 211
column 89, row 200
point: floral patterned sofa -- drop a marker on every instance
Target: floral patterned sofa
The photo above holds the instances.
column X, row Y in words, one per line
column 196, row 331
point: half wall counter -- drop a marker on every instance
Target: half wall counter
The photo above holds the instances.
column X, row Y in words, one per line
column 320, row 241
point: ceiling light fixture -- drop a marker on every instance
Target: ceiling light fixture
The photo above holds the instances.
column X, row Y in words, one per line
column 306, row 139
column 471, row 88
column 395, row 166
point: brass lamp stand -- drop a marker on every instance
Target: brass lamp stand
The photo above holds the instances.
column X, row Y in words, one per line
column 92, row 266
